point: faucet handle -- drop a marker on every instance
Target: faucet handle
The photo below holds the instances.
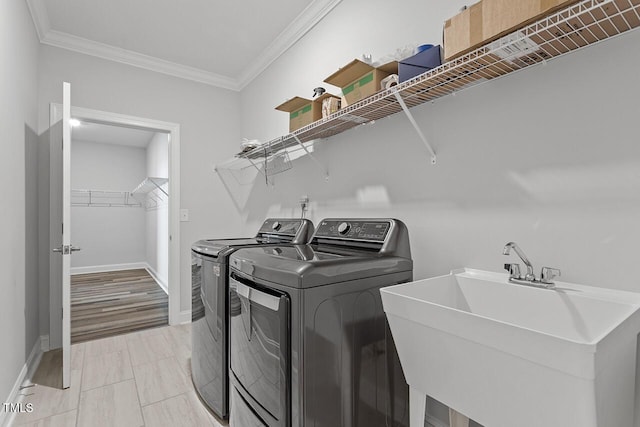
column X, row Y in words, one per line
column 513, row 269
column 547, row 274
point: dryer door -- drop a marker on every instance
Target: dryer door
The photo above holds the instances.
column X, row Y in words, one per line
column 260, row 348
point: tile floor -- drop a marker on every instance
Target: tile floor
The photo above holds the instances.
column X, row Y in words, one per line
column 139, row 379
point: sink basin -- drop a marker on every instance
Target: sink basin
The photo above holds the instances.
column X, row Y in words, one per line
column 512, row 355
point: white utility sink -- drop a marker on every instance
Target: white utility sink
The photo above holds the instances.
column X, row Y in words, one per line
column 512, row 355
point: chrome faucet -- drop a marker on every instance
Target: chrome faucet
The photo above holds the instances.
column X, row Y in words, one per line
column 507, row 250
column 546, row 275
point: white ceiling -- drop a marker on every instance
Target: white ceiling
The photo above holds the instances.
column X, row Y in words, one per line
column 222, row 43
column 108, row 134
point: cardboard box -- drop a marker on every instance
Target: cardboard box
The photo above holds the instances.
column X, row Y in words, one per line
column 303, row 111
column 330, row 105
column 489, row 20
column 419, row 63
column 359, row 80
column 463, row 32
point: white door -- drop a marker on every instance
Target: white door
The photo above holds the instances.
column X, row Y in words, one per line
column 60, row 216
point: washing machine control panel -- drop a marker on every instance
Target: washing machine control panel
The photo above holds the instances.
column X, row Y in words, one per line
column 353, row 230
column 280, row 226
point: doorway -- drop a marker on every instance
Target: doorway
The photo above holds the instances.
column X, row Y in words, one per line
column 171, row 188
column 119, row 220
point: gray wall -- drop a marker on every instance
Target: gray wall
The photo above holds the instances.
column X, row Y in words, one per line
column 18, row 86
column 107, row 235
column 44, row 243
column 157, row 219
column 209, row 126
column 31, row 295
column 548, row 157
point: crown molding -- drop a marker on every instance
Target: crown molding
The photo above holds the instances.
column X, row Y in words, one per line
column 304, row 22
column 40, row 17
column 124, row 56
column 300, row 26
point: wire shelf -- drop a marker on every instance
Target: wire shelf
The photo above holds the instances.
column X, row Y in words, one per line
column 100, row 198
column 150, row 192
column 150, row 184
column 582, row 24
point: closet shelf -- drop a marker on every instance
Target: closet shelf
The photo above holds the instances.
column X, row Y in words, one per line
column 150, row 184
column 101, row 198
column 582, row 24
column 150, row 192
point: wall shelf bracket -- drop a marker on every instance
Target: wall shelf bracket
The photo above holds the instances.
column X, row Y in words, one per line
column 324, row 170
column 415, row 126
column 263, row 173
column 256, row 166
column 150, row 184
column 151, row 193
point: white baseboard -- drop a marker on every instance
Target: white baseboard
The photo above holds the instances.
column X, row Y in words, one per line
column 34, row 357
column 156, row 277
column 108, row 267
column 26, row 373
column 185, row 317
column 44, row 343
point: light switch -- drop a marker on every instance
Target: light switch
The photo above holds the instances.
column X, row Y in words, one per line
column 184, row 215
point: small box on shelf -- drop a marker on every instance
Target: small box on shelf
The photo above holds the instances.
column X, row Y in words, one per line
column 419, row 63
column 302, row 111
column 359, row 80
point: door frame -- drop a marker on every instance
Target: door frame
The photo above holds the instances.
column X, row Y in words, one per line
column 173, row 129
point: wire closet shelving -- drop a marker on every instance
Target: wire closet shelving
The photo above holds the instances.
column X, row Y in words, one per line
column 150, row 193
column 582, row 24
column 103, row 198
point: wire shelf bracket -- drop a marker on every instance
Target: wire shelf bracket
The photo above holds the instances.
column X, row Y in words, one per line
column 150, row 192
column 151, row 184
column 324, row 170
column 415, row 126
column 258, row 169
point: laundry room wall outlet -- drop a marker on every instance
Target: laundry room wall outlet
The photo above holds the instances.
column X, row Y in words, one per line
column 184, row 215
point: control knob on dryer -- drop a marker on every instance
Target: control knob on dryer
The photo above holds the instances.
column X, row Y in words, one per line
column 344, row 228
column 276, row 226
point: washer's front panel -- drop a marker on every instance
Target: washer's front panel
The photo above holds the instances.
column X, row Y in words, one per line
column 197, row 305
column 241, row 414
column 260, row 348
column 209, row 353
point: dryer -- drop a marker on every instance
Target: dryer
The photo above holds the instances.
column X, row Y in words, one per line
column 210, row 305
column 310, row 345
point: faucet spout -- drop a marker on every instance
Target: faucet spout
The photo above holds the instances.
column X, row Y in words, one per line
column 507, row 250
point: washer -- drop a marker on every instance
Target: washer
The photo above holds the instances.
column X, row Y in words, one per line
column 310, row 345
column 210, row 313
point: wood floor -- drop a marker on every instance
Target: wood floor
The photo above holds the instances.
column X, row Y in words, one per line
column 113, row 303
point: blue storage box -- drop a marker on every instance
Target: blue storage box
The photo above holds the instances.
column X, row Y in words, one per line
column 419, row 63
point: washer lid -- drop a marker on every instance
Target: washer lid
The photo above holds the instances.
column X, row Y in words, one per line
column 214, row 247
column 306, row 266
column 273, row 231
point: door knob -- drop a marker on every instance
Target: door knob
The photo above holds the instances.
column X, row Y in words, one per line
column 66, row 249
